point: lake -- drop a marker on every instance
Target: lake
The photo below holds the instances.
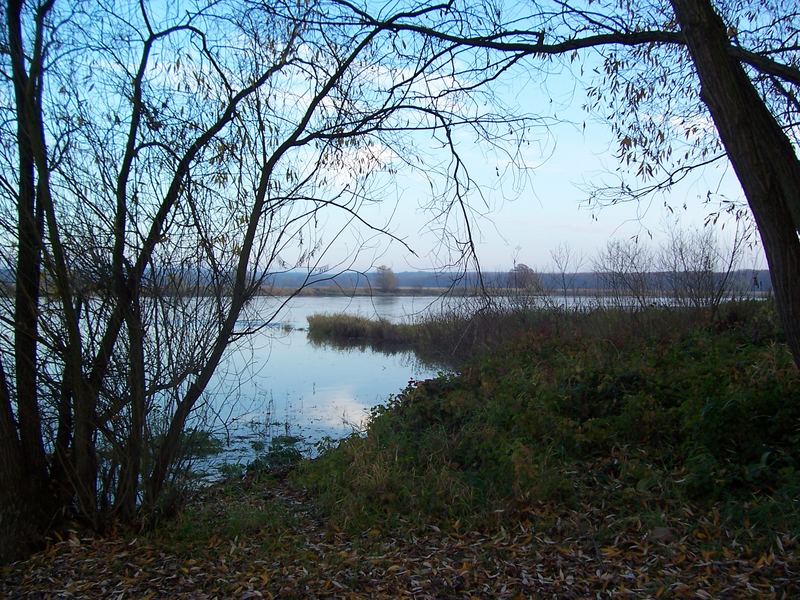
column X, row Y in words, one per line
column 279, row 383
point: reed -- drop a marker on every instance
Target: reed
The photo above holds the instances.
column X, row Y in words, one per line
column 459, row 333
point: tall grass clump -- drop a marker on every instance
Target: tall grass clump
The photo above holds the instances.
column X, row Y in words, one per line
column 346, row 331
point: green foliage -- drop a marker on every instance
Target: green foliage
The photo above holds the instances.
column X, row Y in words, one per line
column 193, row 444
column 229, row 512
column 690, row 412
column 283, row 451
column 230, row 470
column 200, row 444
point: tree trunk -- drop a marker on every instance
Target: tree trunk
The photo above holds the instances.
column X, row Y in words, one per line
column 29, row 228
column 25, row 498
column 19, row 529
column 126, row 501
column 759, row 150
column 14, row 534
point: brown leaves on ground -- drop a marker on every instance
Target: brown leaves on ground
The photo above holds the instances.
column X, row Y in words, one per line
column 298, row 555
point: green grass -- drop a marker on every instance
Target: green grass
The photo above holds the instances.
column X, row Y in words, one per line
column 226, row 512
column 644, row 412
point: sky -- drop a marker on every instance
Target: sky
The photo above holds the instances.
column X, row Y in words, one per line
column 520, row 217
column 529, row 215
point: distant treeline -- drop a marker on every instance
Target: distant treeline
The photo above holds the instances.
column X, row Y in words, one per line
column 743, row 280
column 424, row 282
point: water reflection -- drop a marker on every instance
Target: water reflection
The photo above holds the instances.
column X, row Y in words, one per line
column 279, row 383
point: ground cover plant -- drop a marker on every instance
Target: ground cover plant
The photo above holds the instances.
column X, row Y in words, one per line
column 690, row 411
column 580, row 460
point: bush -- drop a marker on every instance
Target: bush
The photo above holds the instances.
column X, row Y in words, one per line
column 284, row 451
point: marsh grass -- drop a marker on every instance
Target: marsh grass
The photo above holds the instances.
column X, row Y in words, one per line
column 345, row 329
column 457, row 334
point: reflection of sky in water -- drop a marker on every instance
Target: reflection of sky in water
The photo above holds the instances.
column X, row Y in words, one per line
column 277, row 382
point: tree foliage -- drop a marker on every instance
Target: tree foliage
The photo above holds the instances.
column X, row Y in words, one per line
column 523, row 277
column 159, row 162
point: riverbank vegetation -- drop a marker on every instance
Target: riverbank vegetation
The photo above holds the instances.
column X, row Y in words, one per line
column 463, row 330
column 664, row 424
column 635, row 287
column 654, row 453
column 649, row 410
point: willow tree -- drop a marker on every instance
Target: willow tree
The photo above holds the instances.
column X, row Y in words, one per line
column 684, row 83
column 158, row 163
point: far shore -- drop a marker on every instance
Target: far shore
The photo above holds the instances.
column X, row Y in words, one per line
column 333, row 291
column 455, row 292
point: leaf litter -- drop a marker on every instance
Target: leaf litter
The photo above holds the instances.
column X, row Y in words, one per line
column 543, row 551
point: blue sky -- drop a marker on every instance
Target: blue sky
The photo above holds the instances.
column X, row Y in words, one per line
column 529, row 215
column 526, row 215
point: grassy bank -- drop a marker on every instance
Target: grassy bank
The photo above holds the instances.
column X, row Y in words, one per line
column 608, row 455
column 643, row 414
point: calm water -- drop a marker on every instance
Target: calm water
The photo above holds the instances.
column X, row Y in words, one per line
column 279, row 383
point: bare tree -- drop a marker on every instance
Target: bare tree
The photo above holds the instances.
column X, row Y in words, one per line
column 385, row 279
column 696, row 271
column 567, row 263
column 690, row 270
column 685, row 83
column 624, row 268
column 157, row 166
